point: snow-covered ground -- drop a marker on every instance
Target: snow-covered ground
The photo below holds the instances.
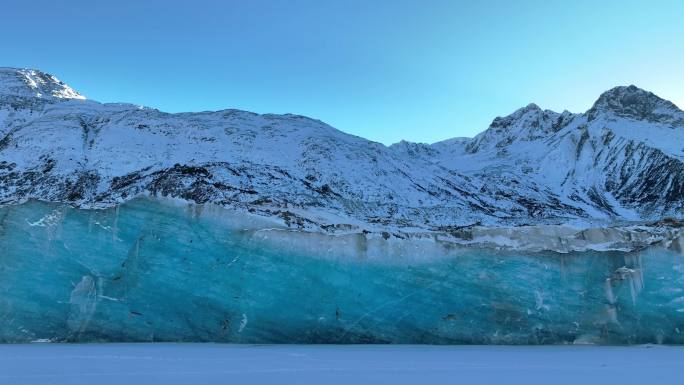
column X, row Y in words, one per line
column 198, row 364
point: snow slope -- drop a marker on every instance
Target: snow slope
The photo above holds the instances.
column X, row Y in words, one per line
column 623, row 160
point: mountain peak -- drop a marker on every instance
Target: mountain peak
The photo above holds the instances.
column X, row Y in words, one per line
column 33, row 83
column 625, row 95
column 633, row 102
column 531, row 107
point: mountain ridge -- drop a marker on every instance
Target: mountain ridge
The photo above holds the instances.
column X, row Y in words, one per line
column 622, row 160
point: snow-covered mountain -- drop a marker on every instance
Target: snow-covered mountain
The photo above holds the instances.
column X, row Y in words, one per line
column 623, row 160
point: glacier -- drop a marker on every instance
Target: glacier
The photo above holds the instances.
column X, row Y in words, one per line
column 167, row 270
column 120, row 222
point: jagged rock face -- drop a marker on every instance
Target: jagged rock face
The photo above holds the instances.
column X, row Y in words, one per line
column 32, row 83
column 622, row 160
column 632, row 102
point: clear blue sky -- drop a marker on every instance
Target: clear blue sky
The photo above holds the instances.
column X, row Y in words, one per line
column 385, row 70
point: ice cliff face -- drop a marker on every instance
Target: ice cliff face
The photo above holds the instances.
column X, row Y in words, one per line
column 154, row 270
column 623, row 160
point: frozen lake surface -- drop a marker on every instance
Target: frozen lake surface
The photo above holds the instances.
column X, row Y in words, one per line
column 196, row 364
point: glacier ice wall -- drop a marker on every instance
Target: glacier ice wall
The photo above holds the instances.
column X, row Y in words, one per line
column 152, row 270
